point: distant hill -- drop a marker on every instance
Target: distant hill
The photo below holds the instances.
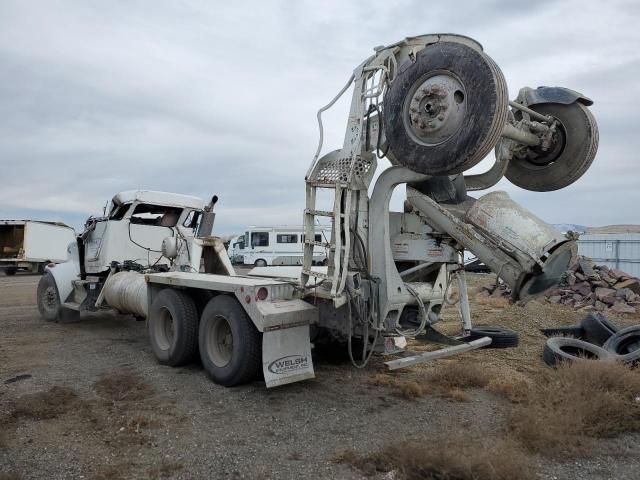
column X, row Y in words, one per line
column 565, row 227
column 615, row 229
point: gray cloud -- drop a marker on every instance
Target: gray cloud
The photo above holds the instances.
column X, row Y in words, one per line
column 201, row 98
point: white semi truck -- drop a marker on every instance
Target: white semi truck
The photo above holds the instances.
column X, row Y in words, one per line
column 31, row 244
column 434, row 105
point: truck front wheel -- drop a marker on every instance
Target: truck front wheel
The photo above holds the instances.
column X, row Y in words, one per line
column 48, row 298
column 230, row 345
column 173, row 327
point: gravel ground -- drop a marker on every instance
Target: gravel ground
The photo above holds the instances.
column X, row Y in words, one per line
column 181, row 425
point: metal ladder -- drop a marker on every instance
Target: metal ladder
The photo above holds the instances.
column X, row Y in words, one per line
column 343, row 175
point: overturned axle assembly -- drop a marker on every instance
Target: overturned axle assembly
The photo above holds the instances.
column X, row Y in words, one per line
column 435, row 106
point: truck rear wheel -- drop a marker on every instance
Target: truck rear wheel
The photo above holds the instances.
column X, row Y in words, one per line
column 10, row 271
column 173, row 327
column 48, row 298
column 230, row 345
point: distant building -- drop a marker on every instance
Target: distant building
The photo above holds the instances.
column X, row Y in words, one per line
column 616, row 246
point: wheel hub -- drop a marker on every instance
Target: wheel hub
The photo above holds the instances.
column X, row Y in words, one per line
column 220, row 342
column 436, row 108
column 50, row 299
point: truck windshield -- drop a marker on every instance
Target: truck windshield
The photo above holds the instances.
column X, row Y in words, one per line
column 147, row 214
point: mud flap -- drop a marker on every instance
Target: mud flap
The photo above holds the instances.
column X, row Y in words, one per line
column 286, row 355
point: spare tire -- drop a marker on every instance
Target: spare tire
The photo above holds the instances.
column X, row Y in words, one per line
column 500, row 337
column 597, row 329
column 625, row 345
column 445, row 111
column 559, row 349
column 575, row 143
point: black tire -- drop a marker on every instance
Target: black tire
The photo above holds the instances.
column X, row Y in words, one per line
column 173, row 327
column 261, row 262
column 597, row 329
column 625, row 345
column 577, row 144
column 560, row 349
column 48, row 298
column 230, row 345
column 500, row 337
column 469, row 127
column 10, row 271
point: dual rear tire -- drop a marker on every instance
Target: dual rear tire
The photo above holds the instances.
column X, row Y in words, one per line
column 228, row 342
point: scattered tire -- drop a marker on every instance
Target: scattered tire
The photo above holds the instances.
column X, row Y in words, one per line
column 500, row 337
column 597, row 329
column 559, row 349
column 260, row 263
column 230, row 345
column 575, row 147
column 48, row 298
column 173, row 327
column 625, row 345
column 445, row 111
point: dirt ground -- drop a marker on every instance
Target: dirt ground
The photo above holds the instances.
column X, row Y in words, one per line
column 88, row 400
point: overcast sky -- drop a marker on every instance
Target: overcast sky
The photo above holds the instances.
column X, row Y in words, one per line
column 204, row 97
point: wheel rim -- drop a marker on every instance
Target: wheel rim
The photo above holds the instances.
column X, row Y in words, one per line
column 435, row 108
column 219, row 341
column 50, row 298
column 164, row 329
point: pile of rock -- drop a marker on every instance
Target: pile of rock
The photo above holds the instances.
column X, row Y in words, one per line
column 586, row 286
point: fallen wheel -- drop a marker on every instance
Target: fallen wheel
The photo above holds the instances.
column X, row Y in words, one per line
column 561, row 349
column 500, row 337
column 173, row 328
column 597, row 329
column 625, row 345
column 444, row 112
column 230, row 345
column 573, row 147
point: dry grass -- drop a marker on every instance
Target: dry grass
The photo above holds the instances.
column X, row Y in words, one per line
column 447, row 380
column 44, row 405
column 456, row 375
column 445, row 458
column 491, row 301
column 575, row 404
column 512, row 389
column 119, row 387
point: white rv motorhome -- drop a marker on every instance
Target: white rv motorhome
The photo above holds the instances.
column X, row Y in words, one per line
column 277, row 245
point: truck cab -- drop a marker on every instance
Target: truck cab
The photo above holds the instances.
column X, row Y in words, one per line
column 135, row 227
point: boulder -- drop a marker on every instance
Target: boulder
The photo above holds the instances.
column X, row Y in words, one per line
column 583, row 288
column 623, row 308
column 632, row 283
column 602, row 292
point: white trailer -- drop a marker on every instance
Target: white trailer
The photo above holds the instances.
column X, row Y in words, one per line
column 32, row 244
column 278, row 245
